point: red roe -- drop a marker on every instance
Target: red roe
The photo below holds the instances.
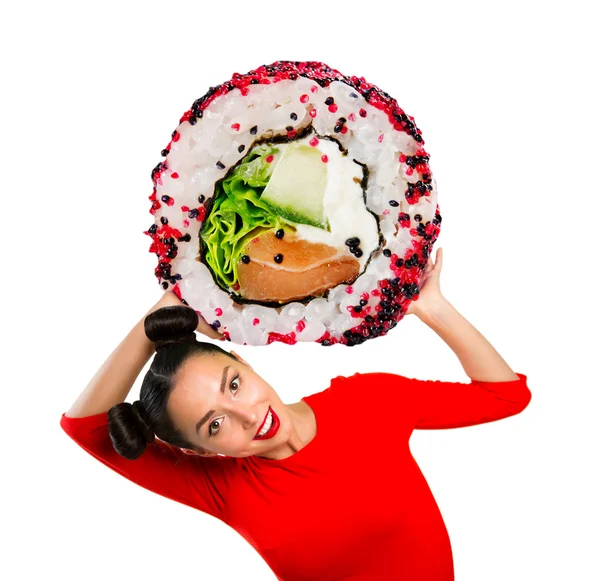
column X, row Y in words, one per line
column 313, row 113
column 255, row 321
column 290, row 338
column 324, row 158
column 304, row 98
column 314, row 142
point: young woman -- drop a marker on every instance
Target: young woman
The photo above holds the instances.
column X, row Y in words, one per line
column 325, row 488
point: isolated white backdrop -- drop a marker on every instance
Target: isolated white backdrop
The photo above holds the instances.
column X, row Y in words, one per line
column 505, row 96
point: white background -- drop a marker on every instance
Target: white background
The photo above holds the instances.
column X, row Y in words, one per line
column 504, row 94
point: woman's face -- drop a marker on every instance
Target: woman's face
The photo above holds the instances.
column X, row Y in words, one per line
column 220, row 403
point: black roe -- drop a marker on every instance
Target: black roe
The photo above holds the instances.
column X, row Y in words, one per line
column 278, row 258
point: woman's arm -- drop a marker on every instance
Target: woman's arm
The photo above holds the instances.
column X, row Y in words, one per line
column 495, row 390
column 162, row 468
column 113, row 381
column 115, row 378
column 479, row 359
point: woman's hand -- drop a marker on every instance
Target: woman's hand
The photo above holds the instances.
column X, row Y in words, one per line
column 170, row 299
column 430, row 295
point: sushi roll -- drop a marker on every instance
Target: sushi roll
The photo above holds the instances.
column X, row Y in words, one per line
column 295, row 204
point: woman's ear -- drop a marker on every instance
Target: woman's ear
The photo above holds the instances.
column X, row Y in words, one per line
column 239, row 358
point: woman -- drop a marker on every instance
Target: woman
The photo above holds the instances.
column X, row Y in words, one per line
column 325, row 488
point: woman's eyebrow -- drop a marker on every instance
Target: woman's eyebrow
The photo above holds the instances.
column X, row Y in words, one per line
column 211, row 412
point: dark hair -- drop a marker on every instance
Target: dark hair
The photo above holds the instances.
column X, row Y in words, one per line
column 132, row 426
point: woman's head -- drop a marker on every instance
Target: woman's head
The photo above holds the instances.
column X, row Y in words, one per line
column 196, row 396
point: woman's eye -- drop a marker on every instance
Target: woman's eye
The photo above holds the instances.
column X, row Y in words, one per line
column 210, row 428
column 234, row 382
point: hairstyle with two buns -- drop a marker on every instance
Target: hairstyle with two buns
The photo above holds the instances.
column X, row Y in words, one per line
column 133, row 426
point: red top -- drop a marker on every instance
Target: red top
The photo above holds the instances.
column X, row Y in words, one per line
column 352, row 503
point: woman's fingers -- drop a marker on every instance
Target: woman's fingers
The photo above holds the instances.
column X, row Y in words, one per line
column 204, row 328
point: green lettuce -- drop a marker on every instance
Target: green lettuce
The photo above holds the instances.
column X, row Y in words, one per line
column 238, row 215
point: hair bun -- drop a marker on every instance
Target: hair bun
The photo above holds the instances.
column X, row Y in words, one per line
column 171, row 325
column 129, row 429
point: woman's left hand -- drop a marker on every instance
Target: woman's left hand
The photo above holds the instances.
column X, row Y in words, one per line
column 430, row 294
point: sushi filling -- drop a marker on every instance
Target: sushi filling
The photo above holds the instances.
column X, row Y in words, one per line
column 289, row 222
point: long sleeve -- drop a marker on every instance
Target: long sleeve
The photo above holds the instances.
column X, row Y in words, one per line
column 166, row 470
column 446, row 404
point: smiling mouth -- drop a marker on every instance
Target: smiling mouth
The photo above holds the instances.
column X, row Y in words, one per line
column 268, row 414
column 273, row 425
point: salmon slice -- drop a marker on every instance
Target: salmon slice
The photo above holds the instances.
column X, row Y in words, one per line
column 306, row 269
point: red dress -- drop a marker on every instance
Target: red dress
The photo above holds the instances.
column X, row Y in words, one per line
column 353, row 503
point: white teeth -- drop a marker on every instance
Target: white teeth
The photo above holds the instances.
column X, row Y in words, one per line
column 267, row 425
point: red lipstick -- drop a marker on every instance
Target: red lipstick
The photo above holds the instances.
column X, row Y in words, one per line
column 272, row 430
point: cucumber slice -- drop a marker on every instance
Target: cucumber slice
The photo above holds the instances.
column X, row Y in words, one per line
column 297, row 186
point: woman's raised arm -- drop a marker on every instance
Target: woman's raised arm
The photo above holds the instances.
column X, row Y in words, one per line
column 115, row 378
column 495, row 390
column 113, row 381
column 162, row 468
column 478, row 357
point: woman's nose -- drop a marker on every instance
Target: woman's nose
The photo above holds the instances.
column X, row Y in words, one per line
column 247, row 414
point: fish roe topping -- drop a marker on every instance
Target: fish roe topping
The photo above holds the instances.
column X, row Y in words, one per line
column 289, row 338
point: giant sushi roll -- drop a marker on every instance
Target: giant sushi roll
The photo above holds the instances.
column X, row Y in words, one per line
column 295, row 203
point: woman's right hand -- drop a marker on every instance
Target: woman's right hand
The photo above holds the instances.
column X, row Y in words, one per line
column 170, row 299
column 430, row 295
